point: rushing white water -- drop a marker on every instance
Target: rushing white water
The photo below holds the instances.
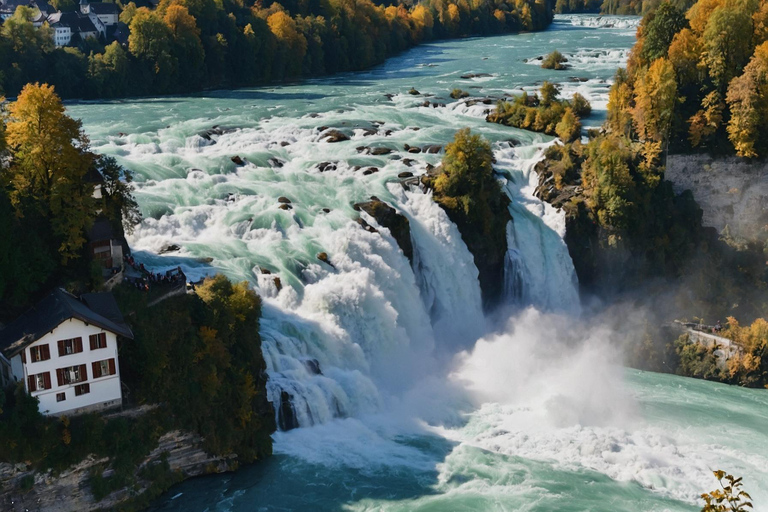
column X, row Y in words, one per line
column 409, row 398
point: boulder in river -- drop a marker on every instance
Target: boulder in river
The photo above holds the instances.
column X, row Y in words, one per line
column 313, row 366
column 469, row 76
column 405, row 174
column 326, row 210
column 366, row 226
column 286, row 414
column 284, row 200
column 285, row 207
column 323, row 256
column 370, row 170
column 169, row 248
column 408, row 161
column 434, row 148
column 237, row 160
column 276, row 162
column 278, row 283
column 379, row 151
column 326, row 166
column 334, row 136
column 264, row 271
column 413, row 92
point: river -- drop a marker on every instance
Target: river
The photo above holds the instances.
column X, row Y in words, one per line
column 421, row 402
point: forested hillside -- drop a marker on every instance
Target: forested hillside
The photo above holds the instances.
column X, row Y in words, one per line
column 188, row 45
column 623, row 7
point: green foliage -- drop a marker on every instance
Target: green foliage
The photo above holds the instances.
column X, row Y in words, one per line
column 729, row 498
column 204, row 363
column 658, row 29
column 549, row 114
column 472, row 196
column 185, row 46
column 458, row 94
column 554, row 60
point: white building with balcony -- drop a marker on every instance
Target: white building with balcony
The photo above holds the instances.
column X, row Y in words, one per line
column 64, row 350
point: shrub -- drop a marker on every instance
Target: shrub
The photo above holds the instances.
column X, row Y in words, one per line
column 554, row 60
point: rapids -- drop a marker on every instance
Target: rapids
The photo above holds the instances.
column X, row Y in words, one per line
column 406, row 395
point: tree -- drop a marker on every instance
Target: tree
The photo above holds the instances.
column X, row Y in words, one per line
column 729, row 498
column 747, row 100
column 658, row 32
column 150, row 42
column 620, row 105
column 549, row 93
column 569, row 127
column 684, row 54
column 292, row 44
column 655, row 98
column 760, row 24
column 705, row 123
column 119, row 204
column 187, row 47
column 727, row 44
column 49, row 162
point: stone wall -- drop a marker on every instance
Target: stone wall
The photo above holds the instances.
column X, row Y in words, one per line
column 732, row 192
column 69, row 491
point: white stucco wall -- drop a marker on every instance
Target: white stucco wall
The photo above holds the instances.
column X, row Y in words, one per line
column 105, row 391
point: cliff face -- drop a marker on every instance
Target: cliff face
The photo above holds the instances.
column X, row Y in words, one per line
column 732, row 192
column 70, row 490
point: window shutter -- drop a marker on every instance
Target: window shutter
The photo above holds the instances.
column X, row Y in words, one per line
column 96, row 370
column 83, row 373
column 32, row 383
column 33, row 355
column 78, row 345
column 103, row 338
column 112, row 370
column 60, row 376
column 92, row 339
column 46, row 352
column 62, row 350
column 47, row 380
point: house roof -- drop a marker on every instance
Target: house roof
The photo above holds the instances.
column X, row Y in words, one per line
column 120, row 33
column 103, row 8
column 84, row 24
column 99, row 309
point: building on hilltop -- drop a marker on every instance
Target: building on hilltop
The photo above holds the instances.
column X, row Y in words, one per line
column 107, row 13
column 64, row 350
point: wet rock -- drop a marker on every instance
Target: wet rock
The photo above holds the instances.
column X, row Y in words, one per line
column 285, row 143
column 513, row 143
column 314, row 115
column 578, row 79
column 313, row 366
column 389, row 96
column 413, row 92
column 169, row 248
column 278, row 283
column 285, row 207
column 387, row 133
column 396, row 223
column 326, row 166
column 408, row 161
column 395, row 157
column 356, row 168
column 370, row 170
column 286, row 414
column 415, row 128
column 265, row 271
column 368, row 132
column 405, row 174
column 237, row 160
column 469, row 76
column 276, row 162
column 426, row 103
column 284, row 200
column 334, row 136
column 122, row 134
column 434, row 148
column 379, row 151
column 366, row 226
column 412, row 149
column 326, row 210
column 323, row 256
column 214, row 130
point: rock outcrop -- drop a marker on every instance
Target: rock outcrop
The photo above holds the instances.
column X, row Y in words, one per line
column 396, row 223
column 70, row 491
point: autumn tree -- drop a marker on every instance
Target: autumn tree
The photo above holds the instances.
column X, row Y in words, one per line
column 49, row 162
column 569, row 127
column 150, row 42
column 187, row 47
column 727, row 43
column 655, row 98
column 748, row 102
column 291, row 43
column 620, row 100
column 705, row 123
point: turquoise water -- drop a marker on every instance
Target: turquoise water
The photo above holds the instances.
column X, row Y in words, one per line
column 423, row 403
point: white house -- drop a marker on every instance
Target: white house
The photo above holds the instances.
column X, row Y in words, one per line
column 64, row 350
column 107, row 13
